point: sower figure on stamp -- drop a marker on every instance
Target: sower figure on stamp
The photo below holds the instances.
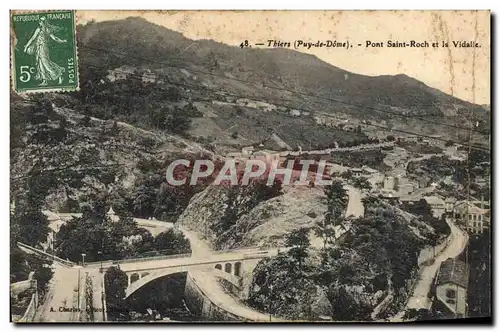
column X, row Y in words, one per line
column 38, row 45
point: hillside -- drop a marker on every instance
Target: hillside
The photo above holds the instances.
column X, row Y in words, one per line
column 69, row 160
column 205, row 66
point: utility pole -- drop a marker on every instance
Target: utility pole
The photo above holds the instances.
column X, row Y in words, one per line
column 100, row 258
column 53, row 245
column 270, row 301
column 78, row 289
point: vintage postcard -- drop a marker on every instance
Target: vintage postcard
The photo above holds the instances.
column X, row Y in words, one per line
column 250, row 166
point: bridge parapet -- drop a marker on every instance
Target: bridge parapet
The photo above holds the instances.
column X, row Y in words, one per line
column 150, row 258
column 42, row 253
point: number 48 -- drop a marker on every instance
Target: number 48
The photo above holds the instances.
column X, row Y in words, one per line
column 26, row 72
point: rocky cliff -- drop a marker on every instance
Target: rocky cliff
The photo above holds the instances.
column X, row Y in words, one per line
column 244, row 217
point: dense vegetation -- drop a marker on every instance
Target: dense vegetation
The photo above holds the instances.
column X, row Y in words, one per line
column 423, row 210
column 479, row 290
column 378, row 253
column 373, row 159
column 30, row 226
column 115, row 283
column 102, row 239
column 438, row 167
column 147, row 105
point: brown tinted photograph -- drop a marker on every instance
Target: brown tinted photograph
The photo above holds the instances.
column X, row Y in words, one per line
column 250, row 166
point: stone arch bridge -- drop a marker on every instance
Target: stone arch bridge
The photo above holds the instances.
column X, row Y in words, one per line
column 234, row 266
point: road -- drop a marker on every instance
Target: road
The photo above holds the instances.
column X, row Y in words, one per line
column 97, row 292
column 419, row 299
column 355, row 206
column 354, row 209
column 63, row 293
column 61, row 300
column 154, row 226
column 212, row 288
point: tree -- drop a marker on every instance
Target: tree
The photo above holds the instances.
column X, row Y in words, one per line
column 143, row 204
column 31, row 223
column 390, row 138
column 347, row 174
column 361, row 183
column 299, row 242
column 344, row 306
column 177, row 122
column 336, row 197
column 116, row 283
column 172, row 242
column 42, row 276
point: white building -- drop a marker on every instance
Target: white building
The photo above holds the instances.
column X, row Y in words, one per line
column 357, row 172
column 475, row 219
column 389, row 183
column 451, row 287
column 437, row 205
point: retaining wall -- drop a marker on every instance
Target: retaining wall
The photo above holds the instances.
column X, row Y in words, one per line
column 198, row 302
column 29, row 314
column 428, row 252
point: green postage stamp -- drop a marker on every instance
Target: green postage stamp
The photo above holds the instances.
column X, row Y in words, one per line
column 44, row 55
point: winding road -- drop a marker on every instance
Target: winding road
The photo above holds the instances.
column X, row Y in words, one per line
column 419, row 299
column 458, row 240
column 355, row 206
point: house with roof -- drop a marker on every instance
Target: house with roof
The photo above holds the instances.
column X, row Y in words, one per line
column 450, row 288
column 148, row 77
column 248, row 153
column 120, row 73
column 449, row 203
column 437, row 204
column 475, row 219
column 356, row 172
column 390, row 183
column 267, row 155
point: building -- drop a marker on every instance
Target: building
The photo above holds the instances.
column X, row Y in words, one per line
column 405, row 189
column 357, row 172
column 112, row 215
column 247, row 150
column 437, row 204
column 148, row 77
column 449, row 204
column 233, row 155
column 248, row 153
column 475, row 219
column 369, row 171
column 120, row 73
column 451, row 287
column 267, row 155
column 389, row 196
column 389, row 183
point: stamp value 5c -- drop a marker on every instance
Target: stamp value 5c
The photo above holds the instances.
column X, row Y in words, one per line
column 44, row 56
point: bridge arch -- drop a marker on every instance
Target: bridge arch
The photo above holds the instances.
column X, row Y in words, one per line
column 218, row 266
column 144, row 274
column 228, row 268
column 134, row 277
column 133, row 287
column 237, row 269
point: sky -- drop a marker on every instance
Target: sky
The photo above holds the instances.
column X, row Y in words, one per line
column 461, row 72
